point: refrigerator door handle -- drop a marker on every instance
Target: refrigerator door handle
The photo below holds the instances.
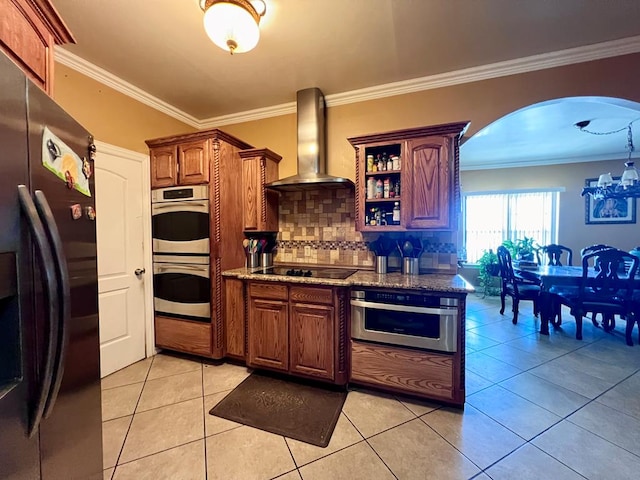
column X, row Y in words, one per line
column 64, row 295
column 43, row 251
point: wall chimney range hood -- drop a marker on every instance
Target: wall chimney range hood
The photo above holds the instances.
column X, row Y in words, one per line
column 312, row 156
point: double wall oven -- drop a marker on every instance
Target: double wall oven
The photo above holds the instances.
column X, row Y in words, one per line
column 181, row 272
column 405, row 319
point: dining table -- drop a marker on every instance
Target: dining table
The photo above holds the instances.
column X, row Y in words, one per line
column 549, row 276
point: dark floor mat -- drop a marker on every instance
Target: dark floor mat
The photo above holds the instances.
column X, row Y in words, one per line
column 293, row 408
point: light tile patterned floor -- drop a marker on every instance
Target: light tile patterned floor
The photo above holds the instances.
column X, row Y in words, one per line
column 537, row 408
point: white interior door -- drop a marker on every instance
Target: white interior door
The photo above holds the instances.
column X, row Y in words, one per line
column 121, row 197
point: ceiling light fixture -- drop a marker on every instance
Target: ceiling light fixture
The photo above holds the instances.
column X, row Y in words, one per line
column 628, row 186
column 233, row 25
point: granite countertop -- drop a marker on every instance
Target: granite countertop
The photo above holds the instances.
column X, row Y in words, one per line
column 366, row 278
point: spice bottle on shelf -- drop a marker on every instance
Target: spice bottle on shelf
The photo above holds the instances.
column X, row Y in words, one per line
column 396, row 188
column 373, row 216
column 396, row 213
column 371, row 188
column 389, row 162
column 381, row 165
column 396, row 162
column 369, row 163
column 379, row 189
column 386, row 188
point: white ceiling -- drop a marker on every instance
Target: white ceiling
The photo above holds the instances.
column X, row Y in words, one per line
column 159, row 48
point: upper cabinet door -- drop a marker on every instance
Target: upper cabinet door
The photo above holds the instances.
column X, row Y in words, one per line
column 193, row 162
column 163, row 167
column 427, row 182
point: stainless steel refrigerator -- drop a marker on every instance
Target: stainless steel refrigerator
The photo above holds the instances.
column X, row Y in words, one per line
column 50, row 405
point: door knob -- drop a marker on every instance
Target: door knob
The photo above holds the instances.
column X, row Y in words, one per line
column 139, row 271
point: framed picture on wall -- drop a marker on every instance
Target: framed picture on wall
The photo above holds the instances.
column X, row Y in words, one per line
column 608, row 210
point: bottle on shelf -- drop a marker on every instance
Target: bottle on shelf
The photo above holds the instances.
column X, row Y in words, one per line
column 388, row 162
column 386, row 184
column 381, row 165
column 396, row 213
column 369, row 163
column 372, row 216
column 396, row 162
column 371, row 188
column 379, row 189
column 396, row 188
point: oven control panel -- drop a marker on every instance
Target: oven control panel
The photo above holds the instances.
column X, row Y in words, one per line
column 413, row 299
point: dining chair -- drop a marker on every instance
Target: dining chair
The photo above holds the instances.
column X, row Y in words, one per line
column 555, row 252
column 515, row 286
column 609, row 293
column 594, row 248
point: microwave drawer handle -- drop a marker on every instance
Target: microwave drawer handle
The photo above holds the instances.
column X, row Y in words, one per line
column 405, row 308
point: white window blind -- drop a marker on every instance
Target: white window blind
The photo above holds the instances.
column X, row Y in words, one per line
column 491, row 218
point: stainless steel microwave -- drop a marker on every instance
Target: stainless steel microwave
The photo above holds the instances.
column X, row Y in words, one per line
column 180, row 220
column 405, row 319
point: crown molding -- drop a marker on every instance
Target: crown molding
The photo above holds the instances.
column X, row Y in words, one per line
column 101, row 75
column 532, row 63
column 542, row 162
column 114, row 150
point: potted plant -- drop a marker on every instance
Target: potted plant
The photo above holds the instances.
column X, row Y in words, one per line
column 521, row 248
column 488, row 271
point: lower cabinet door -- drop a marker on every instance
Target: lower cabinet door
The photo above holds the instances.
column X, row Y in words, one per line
column 268, row 332
column 312, row 342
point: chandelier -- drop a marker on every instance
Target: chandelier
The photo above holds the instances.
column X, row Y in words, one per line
column 233, row 25
column 627, row 186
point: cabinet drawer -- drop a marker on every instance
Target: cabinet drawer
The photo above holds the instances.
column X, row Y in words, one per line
column 268, row 290
column 311, row 295
column 183, row 335
column 424, row 373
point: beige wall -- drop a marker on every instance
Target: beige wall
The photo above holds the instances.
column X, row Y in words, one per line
column 119, row 120
column 111, row 116
column 572, row 232
column 479, row 102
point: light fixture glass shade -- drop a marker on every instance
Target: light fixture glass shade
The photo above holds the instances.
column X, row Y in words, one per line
column 630, row 175
column 232, row 26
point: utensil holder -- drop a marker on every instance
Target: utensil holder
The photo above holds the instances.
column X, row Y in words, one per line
column 267, row 259
column 381, row 264
column 410, row 266
column 253, row 260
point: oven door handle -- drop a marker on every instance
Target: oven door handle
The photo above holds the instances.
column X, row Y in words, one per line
column 405, row 308
column 200, row 270
column 197, row 207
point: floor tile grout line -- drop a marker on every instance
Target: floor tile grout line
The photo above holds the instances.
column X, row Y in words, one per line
column 371, row 446
column 124, row 441
column 160, row 451
column 453, row 446
column 204, row 424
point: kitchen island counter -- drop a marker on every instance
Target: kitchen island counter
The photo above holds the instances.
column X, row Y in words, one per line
column 429, row 282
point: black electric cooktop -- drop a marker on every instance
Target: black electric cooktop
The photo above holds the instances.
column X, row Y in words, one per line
column 332, row 273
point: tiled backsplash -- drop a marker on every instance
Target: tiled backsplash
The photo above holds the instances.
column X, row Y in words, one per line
column 318, row 227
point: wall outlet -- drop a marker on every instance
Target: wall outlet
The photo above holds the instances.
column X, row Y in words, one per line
column 307, row 250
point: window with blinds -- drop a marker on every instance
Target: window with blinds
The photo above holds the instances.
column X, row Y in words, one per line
column 492, row 217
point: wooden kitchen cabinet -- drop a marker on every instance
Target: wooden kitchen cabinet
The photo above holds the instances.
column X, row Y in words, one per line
column 29, row 29
column 312, row 340
column 193, row 162
column 424, row 182
column 181, row 164
column 234, row 319
column 269, row 334
column 424, row 373
column 208, row 157
column 260, row 212
column 298, row 329
column 164, row 172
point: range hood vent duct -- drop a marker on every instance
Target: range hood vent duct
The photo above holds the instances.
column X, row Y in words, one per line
column 312, row 155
